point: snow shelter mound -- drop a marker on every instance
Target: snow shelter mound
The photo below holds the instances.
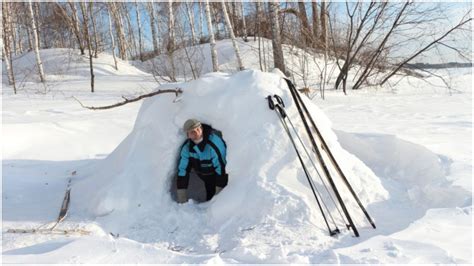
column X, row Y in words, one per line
column 129, row 191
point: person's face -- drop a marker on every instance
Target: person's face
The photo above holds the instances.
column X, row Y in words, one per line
column 195, row 134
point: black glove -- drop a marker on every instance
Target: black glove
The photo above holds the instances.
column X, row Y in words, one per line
column 222, row 180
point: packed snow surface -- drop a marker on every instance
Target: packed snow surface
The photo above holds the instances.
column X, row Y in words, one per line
column 406, row 151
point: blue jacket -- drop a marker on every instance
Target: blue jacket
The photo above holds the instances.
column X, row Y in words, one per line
column 206, row 158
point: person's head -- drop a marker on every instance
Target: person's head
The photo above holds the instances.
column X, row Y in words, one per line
column 193, row 129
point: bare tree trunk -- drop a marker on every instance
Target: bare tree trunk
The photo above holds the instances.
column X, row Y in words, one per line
column 200, row 21
column 7, row 55
column 217, row 18
column 325, row 71
column 232, row 10
column 215, row 64
column 314, row 7
column 256, row 24
column 36, row 14
column 151, row 14
column 304, row 21
column 19, row 39
column 36, row 43
column 12, row 35
column 170, row 26
column 132, row 47
column 257, row 31
column 96, row 45
column 171, row 45
column 30, row 39
column 122, row 42
column 276, row 37
column 87, row 38
column 190, row 12
column 324, row 22
column 102, row 29
column 112, row 34
column 232, row 36
column 77, row 31
column 139, row 25
column 244, row 24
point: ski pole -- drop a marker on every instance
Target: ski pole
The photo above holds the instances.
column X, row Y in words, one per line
column 331, row 157
column 282, row 114
column 320, row 158
column 280, row 101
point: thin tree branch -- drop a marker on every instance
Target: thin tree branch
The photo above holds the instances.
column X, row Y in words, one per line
column 456, row 50
column 424, row 49
column 177, row 91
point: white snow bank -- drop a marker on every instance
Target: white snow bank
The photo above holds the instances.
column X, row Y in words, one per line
column 62, row 63
column 418, row 173
column 128, row 192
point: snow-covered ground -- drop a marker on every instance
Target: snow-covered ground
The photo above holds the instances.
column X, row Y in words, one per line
column 406, row 150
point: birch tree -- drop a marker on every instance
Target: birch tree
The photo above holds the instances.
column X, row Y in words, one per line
column 215, row 64
column 34, row 30
column 6, row 45
column 276, row 38
column 96, row 43
column 122, row 42
column 244, row 24
column 77, row 31
column 112, row 38
column 200, row 21
column 314, row 9
column 139, row 25
column 151, row 14
column 190, row 12
column 232, row 36
column 20, row 40
column 132, row 44
column 171, row 35
column 324, row 24
column 35, row 6
column 87, row 38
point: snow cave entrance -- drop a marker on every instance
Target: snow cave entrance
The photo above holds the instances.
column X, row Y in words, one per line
column 196, row 189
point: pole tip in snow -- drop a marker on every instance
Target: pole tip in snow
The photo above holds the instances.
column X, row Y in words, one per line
column 334, row 232
column 373, row 224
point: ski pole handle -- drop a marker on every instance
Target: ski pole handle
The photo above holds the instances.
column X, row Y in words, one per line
column 271, row 104
column 279, row 100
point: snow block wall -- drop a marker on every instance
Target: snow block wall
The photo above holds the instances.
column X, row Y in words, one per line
column 128, row 192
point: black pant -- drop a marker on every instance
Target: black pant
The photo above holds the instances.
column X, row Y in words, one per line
column 209, row 184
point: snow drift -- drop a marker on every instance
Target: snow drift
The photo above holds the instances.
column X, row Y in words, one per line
column 128, row 192
column 61, row 63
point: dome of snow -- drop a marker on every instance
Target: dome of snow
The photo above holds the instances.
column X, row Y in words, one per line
column 129, row 191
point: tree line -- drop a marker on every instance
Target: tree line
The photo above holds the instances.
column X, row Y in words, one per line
column 362, row 37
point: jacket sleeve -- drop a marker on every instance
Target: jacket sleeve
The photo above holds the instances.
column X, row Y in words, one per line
column 183, row 169
column 216, row 162
column 218, row 154
column 182, row 180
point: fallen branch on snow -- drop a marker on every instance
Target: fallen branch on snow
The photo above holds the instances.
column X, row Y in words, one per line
column 177, row 91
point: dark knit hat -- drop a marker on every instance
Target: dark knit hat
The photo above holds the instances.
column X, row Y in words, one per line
column 191, row 124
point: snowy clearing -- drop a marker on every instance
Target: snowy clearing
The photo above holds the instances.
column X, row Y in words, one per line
column 407, row 150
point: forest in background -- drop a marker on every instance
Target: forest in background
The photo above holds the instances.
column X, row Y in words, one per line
column 374, row 40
